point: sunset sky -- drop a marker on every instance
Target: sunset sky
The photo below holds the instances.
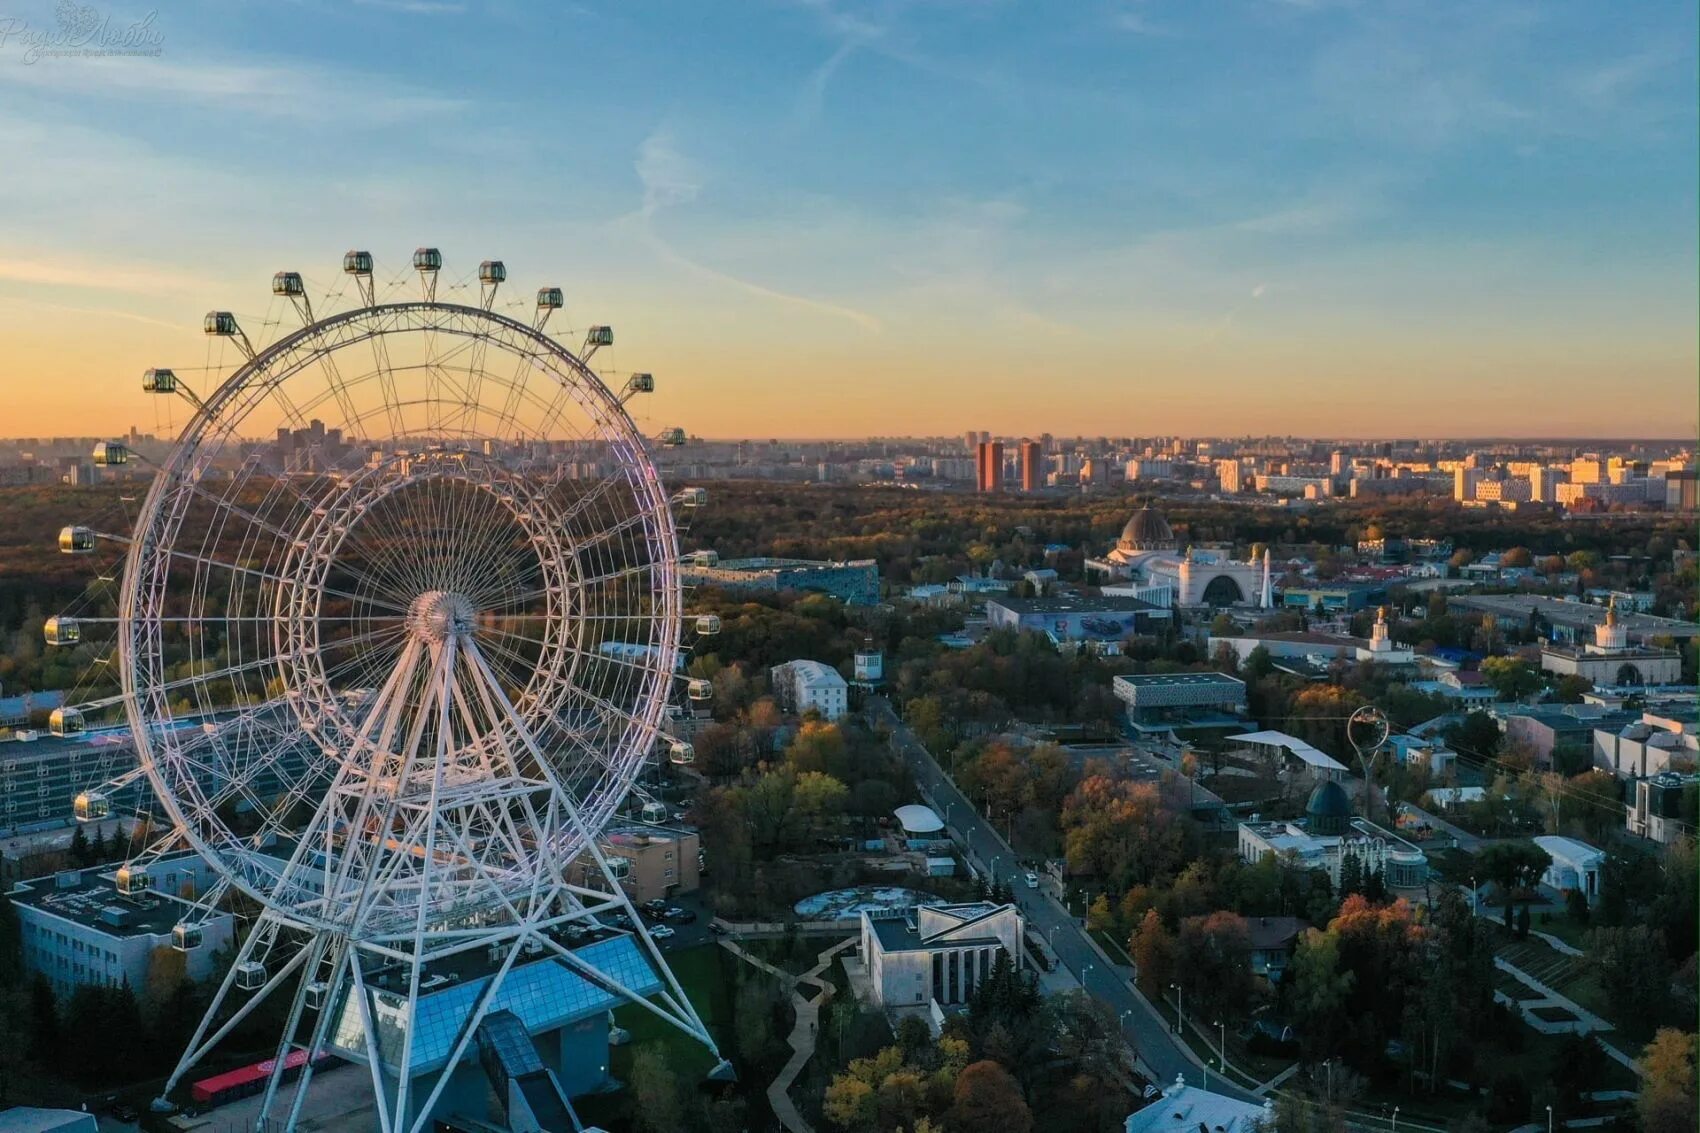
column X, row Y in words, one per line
column 815, row 219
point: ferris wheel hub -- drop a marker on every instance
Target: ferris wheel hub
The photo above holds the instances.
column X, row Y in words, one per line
column 437, row 615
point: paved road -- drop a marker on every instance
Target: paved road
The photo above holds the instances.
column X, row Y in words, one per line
column 1141, row 1023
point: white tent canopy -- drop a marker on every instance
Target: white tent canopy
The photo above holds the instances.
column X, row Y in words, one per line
column 1313, row 756
column 918, row 819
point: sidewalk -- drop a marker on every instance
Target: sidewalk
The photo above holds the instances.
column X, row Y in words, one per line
column 803, row 1031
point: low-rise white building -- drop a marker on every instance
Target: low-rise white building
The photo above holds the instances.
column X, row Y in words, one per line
column 804, row 686
column 938, row 953
column 1654, row 811
column 1646, row 747
column 1187, row 1108
column 1575, row 865
column 77, row 929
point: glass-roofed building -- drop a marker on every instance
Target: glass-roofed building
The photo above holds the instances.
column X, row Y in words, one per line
column 544, row 1037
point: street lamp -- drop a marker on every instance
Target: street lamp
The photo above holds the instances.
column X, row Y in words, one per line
column 1396, row 1118
column 1549, row 1119
column 1473, row 894
column 1329, row 1064
column 1222, row 1049
column 1085, row 974
column 1180, row 1009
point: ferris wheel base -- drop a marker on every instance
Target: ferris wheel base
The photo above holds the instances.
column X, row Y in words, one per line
column 723, row 1071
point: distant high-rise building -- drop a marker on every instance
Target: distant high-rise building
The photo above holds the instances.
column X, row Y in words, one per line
column 989, row 455
column 1464, row 483
column 969, row 440
column 1337, row 463
column 1032, row 475
column 1228, row 472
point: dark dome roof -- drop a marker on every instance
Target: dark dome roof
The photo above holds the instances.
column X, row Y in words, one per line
column 1147, row 529
column 1329, row 800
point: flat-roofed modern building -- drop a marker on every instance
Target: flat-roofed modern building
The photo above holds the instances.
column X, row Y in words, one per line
column 77, row 929
column 856, row 582
column 1173, row 702
column 938, row 953
column 661, row 861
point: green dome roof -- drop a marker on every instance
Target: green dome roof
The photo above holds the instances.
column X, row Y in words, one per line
column 1329, row 800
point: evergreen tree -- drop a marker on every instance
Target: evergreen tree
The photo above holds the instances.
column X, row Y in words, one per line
column 1351, row 875
column 81, row 852
column 44, row 1019
column 1523, row 921
column 100, row 850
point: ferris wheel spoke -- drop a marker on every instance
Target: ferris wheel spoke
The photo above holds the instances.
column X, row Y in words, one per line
column 268, row 576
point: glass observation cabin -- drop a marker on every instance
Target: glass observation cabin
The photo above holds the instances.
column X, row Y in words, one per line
column 692, row 497
column 672, row 438
column 427, row 259
column 653, row 811
column 91, row 806
column 132, row 881
column 492, row 271
column 316, row 995
column 357, row 263
column 59, row 630
column 599, row 336
column 700, row 689
column 65, row 722
column 110, row 453
column 159, row 381
column 76, row 540
column 640, row 383
column 681, row 754
column 185, row 937
column 705, row 558
column 708, row 624
column 219, row 323
column 621, row 868
column 288, row 283
column 549, row 299
column 250, row 975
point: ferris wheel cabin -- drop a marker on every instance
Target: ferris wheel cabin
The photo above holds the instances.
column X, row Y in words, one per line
column 91, row 806
column 672, row 438
column 640, row 383
column 708, row 624
column 219, row 324
column 681, row 754
column 700, row 690
column 185, row 937
column 65, row 722
column 691, row 497
column 288, row 283
column 159, row 381
column 427, row 259
column 357, row 263
column 492, row 271
column 109, row 453
column 132, row 881
column 599, row 336
column 549, row 299
column 61, row 631
column 250, row 975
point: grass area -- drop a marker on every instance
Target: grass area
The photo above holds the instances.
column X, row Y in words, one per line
column 1111, row 948
column 1452, row 864
column 705, row 974
column 1565, row 929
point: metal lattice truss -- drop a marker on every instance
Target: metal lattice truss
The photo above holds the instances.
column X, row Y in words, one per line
column 398, row 628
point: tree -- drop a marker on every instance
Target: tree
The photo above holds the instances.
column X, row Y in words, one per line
column 1513, row 865
column 1217, row 972
column 1477, row 735
column 987, row 1100
column 1153, row 952
column 1321, row 988
column 1667, row 1098
column 655, row 1091
column 1511, row 677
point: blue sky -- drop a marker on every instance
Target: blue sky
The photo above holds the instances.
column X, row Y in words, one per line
column 815, row 218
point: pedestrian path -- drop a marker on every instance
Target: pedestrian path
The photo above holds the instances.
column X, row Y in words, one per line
column 1582, row 1021
column 803, row 1032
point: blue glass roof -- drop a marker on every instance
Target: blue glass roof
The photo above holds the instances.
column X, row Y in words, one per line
column 543, row 994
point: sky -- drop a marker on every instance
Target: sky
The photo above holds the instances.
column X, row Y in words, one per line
column 812, row 218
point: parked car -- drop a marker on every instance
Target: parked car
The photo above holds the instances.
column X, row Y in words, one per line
column 1032, row 880
column 717, row 928
column 681, row 916
column 620, row 920
column 660, row 932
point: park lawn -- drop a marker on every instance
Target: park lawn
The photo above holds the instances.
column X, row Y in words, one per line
column 705, row 975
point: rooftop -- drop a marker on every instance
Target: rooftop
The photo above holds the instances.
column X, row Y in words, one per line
column 1576, row 615
column 90, row 898
column 1177, row 680
column 765, row 563
column 1073, row 604
column 1313, row 756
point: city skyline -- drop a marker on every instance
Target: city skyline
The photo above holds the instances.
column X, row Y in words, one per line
column 1128, row 219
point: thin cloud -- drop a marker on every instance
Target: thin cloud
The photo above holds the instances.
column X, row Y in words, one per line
column 671, row 179
column 104, row 276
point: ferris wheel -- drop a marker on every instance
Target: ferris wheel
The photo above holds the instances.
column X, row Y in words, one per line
column 399, row 624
